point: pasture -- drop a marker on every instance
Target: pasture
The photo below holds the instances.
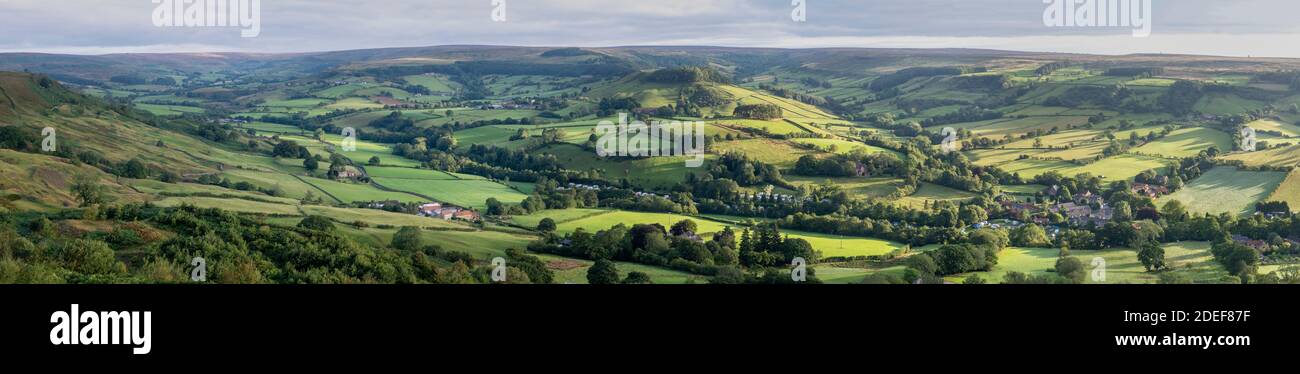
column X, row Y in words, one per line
column 1187, row 142
column 1122, row 266
column 465, row 193
column 1226, row 189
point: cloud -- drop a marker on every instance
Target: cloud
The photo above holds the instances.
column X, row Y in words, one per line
column 1237, row 27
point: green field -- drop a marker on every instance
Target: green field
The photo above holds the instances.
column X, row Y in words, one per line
column 1110, row 169
column 1281, row 156
column 1288, row 191
column 465, row 193
column 1122, row 266
column 1226, row 104
column 1187, row 143
column 929, row 194
column 843, row 146
column 594, row 220
column 1226, row 189
column 859, row 187
column 771, row 151
column 168, row 110
column 356, row 192
column 646, row 172
column 1285, row 129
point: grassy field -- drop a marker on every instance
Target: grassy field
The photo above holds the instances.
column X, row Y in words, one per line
column 1285, row 129
column 647, row 172
column 778, row 127
column 1110, row 169
column 596, row 220
column 466, row 193
column 861, row 187
column 1288, row 191
column 771, row 151
column 1187, row 143
column 929, row 194
column 1122, row 266
column 1282, row 156
column 1224, row 104
column 1225, row 189
column 168, row 110
column 375, row 217
column 843, row 146
column 234, row 205
column 354, row 192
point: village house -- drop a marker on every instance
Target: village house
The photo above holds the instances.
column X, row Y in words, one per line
column 447, row 212
column 1088, row 198
column 384, row 204
column 430, row 209
column 348, row 173
column 1258, row 245
column 1015, row 207
column 1148, row 190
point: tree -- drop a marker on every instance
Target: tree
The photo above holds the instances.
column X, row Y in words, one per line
column 1174, row 211
column 547, row 225
column 135, row 169
column 317, row 222
column 923, row 263
column 311, row 164
column 728, row 275
column 1152, row 257
column 88, row 190
column 1123, row 212
column 603, row 272
column 974, row 279
column 1071, row 268
column 374, row 160
column 637, row 277
column 684, row 227
column 407, row 238
column 1030, row 235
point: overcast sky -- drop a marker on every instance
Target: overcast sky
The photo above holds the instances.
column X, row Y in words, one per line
column 1214, row 27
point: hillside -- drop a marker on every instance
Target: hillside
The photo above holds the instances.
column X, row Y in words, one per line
column 832, row 146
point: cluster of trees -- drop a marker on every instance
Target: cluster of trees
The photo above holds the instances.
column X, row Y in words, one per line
column 237, row 249
column 678, row 247
column 1110, row 97
column 851, row 165
column 965, row 114
column 746, row 171
column 897, row 78
column 689, row 74
column 758, row 111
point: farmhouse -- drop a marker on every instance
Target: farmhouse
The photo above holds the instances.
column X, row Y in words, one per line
column 384, row 204
column 1258, row 245
column 1148, row 190
column 1016, row 207
column 447, row 212
column 1088, row 198
column 430, row 209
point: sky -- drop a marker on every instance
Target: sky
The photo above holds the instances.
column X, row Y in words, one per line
column 1259, row 28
